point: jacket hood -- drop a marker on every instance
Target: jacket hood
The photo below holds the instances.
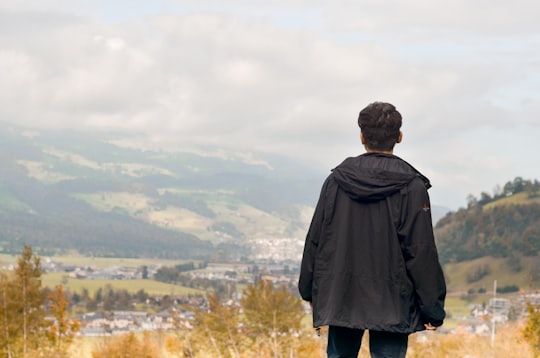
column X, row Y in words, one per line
column 375, row 176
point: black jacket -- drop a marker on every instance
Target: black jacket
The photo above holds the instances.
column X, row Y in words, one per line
column 370, row 260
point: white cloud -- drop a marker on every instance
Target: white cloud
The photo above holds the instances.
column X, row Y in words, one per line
column 287, row 77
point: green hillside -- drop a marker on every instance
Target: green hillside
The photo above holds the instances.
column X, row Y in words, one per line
column 495, row 238
column 501, row 226
column 62, row 192
column 479, row 274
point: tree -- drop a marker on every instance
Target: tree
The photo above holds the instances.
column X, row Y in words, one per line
column 23, row 327
column 531, row 332
column 518, row 185
column 272, row 317
column 497, row 191
column 268, row 310
column 129, row 346
column 145, row 272
column 85, row 295
column 25, row 305
column 6, row 342
column 471, row 201
column 484, row 198
column 270, row 327
column 220, row 327
column 514, row 263
column 62, row 331
column 530, row 243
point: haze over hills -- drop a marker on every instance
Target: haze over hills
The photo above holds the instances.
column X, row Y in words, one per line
column 69, row 191
column 61, row 192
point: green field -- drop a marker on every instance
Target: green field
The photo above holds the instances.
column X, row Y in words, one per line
column 76, row 285
column 132, row 286
column 98, row 262
column 457, row 274
column 456, row 306
column 247, row 219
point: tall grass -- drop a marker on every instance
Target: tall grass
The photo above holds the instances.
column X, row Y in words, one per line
column 508, row 343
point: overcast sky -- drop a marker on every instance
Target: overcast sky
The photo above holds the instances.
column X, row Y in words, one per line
column 288, row 76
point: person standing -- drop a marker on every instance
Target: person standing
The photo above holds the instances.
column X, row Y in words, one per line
column 370, row 260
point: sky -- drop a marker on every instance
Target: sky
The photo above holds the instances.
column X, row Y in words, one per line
column 287, row 77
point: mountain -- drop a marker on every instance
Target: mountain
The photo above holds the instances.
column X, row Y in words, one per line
column 67, row 191
column 72, row 191
column 495, row 238
column 500, row 226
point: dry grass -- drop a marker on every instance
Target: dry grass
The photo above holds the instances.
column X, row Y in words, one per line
column 508, row 343
column 516, row 199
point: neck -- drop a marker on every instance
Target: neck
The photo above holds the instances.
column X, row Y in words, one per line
column 391, row 151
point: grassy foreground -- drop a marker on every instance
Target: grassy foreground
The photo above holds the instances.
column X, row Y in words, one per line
column 508, row 343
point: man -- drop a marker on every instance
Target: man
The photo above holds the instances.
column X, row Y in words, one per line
column 370, row 261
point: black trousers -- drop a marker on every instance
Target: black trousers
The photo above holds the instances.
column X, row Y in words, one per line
column 345, row 343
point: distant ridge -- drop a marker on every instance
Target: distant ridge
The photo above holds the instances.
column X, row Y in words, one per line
column 503, row 225
column 69, row 191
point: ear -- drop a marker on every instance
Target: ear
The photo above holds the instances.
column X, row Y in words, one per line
column 362, row 139
column 400, row 137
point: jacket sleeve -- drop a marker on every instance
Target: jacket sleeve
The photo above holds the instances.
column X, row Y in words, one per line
column 420, row 253
column 305, row 283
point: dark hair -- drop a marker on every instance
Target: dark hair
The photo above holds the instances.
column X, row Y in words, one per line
column 380, row 123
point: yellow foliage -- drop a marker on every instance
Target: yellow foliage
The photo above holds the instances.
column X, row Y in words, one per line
column 531, row 331
column 129, row 346
column 271, row 311
column 266, row 325
column 22, row 320
column 508, row 342
column 62, row 331
column 173, row 345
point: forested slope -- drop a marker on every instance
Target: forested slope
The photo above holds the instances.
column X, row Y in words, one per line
column 503, row 225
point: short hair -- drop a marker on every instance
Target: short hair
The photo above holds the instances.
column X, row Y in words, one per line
column 380, row 123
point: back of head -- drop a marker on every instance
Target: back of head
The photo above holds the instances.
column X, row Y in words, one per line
column 380, row 123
